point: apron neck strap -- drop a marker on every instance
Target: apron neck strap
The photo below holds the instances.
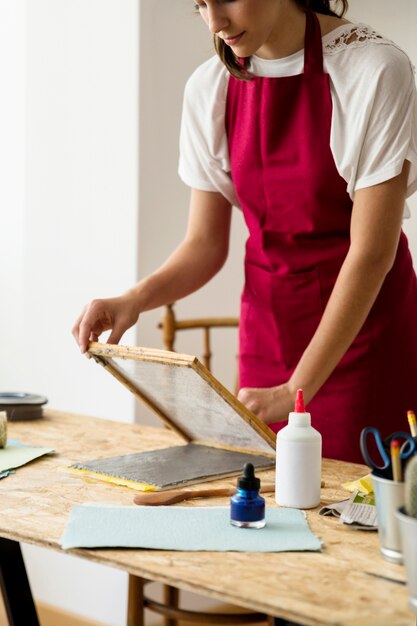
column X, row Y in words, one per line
column 313, row 46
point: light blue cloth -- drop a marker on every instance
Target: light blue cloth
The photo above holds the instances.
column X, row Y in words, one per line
column 184, row 528
column 16, row 454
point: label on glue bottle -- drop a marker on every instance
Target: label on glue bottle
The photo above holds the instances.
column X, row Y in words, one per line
column 298, row 463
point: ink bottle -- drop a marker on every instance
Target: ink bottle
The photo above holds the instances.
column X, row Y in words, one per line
column 247, row 507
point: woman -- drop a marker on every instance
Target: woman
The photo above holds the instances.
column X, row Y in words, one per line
column 308, row 122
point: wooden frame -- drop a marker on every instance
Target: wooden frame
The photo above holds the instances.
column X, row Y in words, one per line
column 187, row 397
column 219, row 434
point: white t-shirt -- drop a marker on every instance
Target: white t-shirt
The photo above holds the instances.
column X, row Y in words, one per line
column 374, row 120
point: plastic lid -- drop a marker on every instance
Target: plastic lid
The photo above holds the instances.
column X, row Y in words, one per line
column 248, row 480
column 299, row 402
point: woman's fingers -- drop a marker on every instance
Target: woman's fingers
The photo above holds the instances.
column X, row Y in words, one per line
column 95, row 319
column 115, row 314
column 271, row 404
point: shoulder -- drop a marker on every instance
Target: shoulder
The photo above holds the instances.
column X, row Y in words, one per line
column 208, row 82
column 360, row 52
column 373, row 95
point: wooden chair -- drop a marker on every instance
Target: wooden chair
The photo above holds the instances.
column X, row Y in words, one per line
column 169, row 608
column 170, row 326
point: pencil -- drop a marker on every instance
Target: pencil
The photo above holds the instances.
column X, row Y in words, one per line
column 396, row 461
column 412, row 422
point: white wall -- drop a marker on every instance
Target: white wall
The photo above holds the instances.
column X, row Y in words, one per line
column 12, row 176
column 81, row 185
column 83, row 81
column 69, row 206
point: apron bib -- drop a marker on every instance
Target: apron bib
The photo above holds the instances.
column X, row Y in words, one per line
column 298, row 215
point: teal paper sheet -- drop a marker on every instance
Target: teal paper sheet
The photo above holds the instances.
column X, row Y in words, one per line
column 16, row 454
column 184, row 528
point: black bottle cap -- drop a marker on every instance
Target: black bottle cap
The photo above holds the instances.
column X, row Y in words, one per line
column 248, row 480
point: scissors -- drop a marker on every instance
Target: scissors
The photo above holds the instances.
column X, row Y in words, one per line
column 383, row 464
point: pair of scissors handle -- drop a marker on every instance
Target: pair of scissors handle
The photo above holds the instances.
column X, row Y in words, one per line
column 383, row 445
column 385, row 460
column 408, row 447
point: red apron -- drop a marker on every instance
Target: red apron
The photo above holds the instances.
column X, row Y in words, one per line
column 298, row 214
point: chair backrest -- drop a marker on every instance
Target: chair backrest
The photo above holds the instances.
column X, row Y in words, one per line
column 170, row 325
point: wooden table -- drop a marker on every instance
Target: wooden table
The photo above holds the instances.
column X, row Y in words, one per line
column 348, row 584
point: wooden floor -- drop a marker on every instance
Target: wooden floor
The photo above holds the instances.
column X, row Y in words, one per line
column 52, row 616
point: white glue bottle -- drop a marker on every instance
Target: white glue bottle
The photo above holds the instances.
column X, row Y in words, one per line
column 298, row 465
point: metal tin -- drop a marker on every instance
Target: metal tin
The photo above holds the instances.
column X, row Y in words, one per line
column 408, row 533
column 389, row 496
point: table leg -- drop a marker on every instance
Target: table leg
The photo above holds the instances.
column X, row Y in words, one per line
column 14, row 586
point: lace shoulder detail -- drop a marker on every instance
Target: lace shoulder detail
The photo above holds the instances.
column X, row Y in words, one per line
column 354, row 36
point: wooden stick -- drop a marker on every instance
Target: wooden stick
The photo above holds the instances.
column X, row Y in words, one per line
column 156, row 498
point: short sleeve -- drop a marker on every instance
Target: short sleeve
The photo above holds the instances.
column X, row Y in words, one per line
column 378, row 112
column 204, row 158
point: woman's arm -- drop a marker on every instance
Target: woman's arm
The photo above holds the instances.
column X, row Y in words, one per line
column 195, row 261
column 375, row 229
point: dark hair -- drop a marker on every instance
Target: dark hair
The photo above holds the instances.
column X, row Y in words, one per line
column 238, row 67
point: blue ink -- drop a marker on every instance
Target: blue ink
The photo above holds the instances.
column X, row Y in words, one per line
column 247, row 507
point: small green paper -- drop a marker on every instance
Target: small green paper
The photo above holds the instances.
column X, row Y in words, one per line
column 16, row 456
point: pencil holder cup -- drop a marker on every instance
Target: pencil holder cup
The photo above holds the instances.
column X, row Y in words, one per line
column 389, row 496
column 408, row 533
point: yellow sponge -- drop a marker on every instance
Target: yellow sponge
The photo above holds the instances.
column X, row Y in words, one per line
column 364, row 485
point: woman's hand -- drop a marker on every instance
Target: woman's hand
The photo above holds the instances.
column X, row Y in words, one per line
column 269, row 404
column 115, row 314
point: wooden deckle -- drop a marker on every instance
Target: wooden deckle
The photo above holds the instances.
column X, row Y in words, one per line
column 220, row 435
